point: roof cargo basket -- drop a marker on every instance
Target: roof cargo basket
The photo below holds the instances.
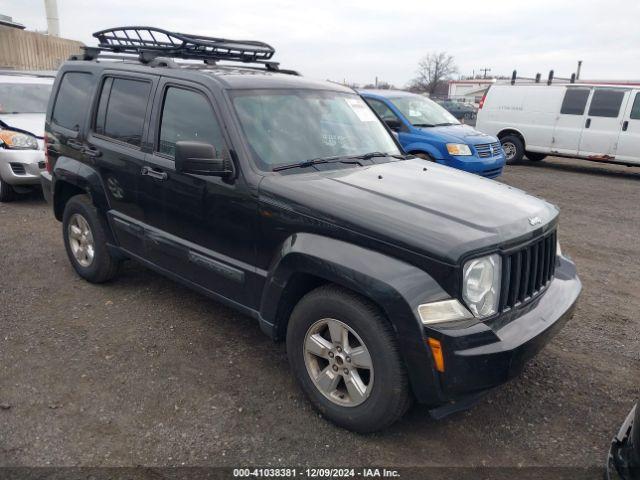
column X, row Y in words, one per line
column 150, row 43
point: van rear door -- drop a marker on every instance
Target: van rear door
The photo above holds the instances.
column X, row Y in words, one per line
column 603, row 124
column 629, row 140
column 570, row 121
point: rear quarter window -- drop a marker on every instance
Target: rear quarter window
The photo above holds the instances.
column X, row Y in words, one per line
column 72, row 100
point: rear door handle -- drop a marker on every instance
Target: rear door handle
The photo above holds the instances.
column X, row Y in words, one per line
column 625, row 125
column 157, row 174
column 588, row 123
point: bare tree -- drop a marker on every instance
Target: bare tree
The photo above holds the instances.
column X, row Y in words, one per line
column 432, row 70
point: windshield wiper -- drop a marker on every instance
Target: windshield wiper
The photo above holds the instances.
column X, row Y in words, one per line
column 446, row 124
column 423, row 125
column 316, row 161
column 370, row 155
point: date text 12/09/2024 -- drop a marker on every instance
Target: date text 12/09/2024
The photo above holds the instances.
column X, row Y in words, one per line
column 315, row 472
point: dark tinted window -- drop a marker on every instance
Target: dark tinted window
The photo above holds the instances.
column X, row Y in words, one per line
column 187, row 115
column 635, row 110
column 122, row 108
column 574, row 101
column 606, row 103
column 72, row 101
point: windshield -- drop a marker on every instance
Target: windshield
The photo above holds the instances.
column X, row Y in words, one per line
column 24, row 97
column 289, row 126
column 422, row 112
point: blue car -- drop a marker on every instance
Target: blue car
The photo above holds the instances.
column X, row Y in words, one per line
column 427, row 130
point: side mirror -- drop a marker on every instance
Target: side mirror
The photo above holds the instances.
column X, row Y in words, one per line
column 200, row 159
column 394, row 124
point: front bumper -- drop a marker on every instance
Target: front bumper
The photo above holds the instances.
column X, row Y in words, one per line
column 490, row 167
column 21, row 167
column 486, row 354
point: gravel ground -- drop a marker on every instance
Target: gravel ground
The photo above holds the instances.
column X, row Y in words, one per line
column 142, row 371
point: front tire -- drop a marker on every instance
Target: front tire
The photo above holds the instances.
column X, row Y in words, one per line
column 86, row 242
column 343, row 352
column 7, row 193
column 513, row 148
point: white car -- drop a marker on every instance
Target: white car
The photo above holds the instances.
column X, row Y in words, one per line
column 589, row 121
column 23, row 104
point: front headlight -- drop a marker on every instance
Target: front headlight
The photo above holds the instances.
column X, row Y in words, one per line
column 17, row 140
column 458, row 149
column 481, row 284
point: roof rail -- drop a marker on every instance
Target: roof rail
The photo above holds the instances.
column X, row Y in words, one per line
column 150, row 43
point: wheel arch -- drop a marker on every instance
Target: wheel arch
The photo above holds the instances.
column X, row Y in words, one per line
column 512, row 131
column 307, row 261
column 70, row 178
column 430, row 150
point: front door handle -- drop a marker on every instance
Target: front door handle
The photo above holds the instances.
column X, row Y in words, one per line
column 588, row 123
column 625, row 125
column 157, row 174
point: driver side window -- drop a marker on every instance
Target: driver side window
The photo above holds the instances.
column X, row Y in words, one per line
column 382, row 110
column 187, row 115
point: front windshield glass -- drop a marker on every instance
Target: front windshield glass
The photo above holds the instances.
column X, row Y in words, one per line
column 422, row 112
column 24, row 97
column 290, row 126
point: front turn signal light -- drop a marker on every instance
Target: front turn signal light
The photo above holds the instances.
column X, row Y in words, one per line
column 436, row 351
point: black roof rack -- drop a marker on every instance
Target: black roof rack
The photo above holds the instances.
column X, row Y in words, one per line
column 150, row 43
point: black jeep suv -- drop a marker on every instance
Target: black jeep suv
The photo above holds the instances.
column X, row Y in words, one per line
column 391, row 278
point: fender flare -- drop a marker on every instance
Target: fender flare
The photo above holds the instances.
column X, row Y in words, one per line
column 86, row 178
column 395, row 286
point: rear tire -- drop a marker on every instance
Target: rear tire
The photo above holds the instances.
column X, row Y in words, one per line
column 86, row 242
column 7, row 193
column 342, row 388
column 536, row 157
column 513, row 148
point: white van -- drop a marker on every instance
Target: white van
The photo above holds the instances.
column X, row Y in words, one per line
column 590, row 121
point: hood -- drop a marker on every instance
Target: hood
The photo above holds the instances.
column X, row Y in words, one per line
column 32, row 123
column 459, row 134
column 429, row 209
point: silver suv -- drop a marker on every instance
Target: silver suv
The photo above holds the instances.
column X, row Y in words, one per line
column 23, row 104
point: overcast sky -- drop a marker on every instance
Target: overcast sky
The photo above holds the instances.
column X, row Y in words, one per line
column 358, row 40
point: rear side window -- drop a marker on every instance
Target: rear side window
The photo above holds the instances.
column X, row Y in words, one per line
column 574, row 101
column 122, row 109
column 187, row 115
column 635, row 110
column 72, row 101
column 606, row 103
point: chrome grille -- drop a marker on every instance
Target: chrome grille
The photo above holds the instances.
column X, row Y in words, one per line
column 488, row 149
column 528, row 270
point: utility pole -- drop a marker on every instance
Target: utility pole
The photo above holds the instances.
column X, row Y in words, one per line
column 484, row 70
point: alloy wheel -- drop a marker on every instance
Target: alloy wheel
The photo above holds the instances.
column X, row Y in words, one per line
column 81, row 240
column 338, row 362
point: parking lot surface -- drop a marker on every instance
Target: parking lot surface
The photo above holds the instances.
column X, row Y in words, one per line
column 142, row 371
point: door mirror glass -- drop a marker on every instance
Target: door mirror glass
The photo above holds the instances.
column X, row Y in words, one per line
column 200, row 159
